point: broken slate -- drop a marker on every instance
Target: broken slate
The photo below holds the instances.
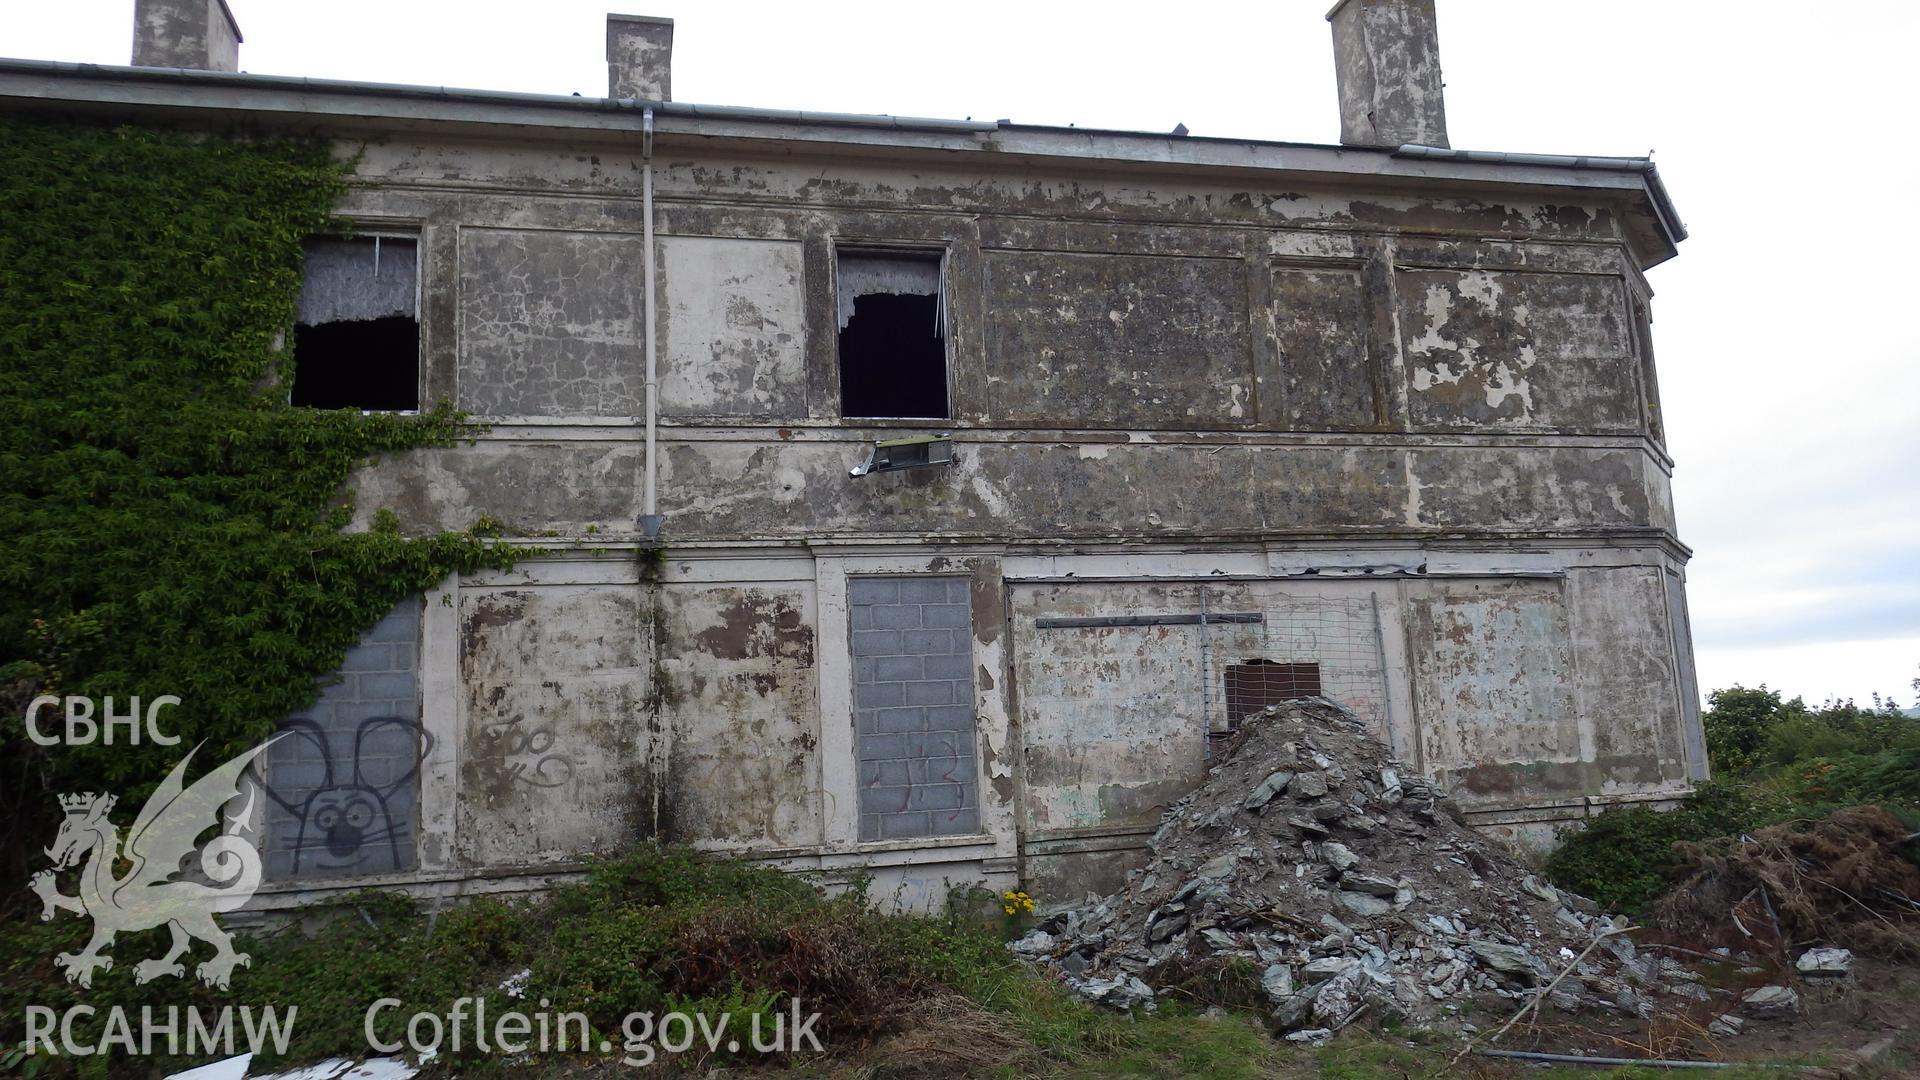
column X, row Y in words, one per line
column 1505, row 959
column 1275, row 783
column 1277, row 983
column 1825, row 963
column 1772, row 1001
column 1338, row 855
column 1378, row 918
column 1372, row 884
column 1363, row 903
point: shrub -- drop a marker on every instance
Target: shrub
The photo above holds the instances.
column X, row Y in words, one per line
column 1773, row 761
column 1625, row 857
column 1738, row 722
column 1839, row 729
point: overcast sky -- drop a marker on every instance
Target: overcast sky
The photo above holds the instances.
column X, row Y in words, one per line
column 1788, row 365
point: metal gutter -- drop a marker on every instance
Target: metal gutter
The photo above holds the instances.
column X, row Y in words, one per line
column 1656, row 191
column 1168, row 137
column 801, row 116
column 333, row 97
column 241, row 79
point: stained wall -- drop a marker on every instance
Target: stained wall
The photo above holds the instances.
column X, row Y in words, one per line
column 1416, row 432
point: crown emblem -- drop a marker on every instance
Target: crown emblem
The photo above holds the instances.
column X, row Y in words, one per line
column 74, row 804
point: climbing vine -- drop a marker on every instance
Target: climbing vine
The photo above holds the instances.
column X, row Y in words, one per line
column 169, row 524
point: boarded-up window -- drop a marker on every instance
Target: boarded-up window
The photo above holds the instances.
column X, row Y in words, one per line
column 1253, row 685
column 343, row 780
column 356, row 340
column 913, row 705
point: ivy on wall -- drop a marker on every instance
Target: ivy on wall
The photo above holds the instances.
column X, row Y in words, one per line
column 168, row 523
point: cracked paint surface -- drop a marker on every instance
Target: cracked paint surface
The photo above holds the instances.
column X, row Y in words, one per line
column 550, row 323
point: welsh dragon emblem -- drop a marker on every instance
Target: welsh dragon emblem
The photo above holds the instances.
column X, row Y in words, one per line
column 146, row 897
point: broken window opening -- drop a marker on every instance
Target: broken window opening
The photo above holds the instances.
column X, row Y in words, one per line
column 1256, row 683
column 893, row 350
column 356, row 339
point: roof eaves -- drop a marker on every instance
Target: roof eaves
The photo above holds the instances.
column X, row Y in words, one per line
column 1663, row 207
column 243, row 79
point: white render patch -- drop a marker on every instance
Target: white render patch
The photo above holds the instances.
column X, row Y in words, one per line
column 1505, row 382
column 734, row 331
column 1480, row 285
column 1439, row 308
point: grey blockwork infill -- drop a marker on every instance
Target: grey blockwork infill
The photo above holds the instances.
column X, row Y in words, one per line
column 913, row 701
column 343, row 781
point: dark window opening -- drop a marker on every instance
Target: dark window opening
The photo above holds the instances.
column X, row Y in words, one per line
column 1253, row 685
column 893, row 352
column 356, row 340
column 369, row 364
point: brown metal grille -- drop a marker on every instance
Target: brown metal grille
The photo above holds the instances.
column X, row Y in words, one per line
column 1253, row 685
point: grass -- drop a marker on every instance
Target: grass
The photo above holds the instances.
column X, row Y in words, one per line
column 663, row 929
column 1179, row 1045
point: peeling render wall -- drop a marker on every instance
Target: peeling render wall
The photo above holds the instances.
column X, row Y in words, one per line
column 734, row 328
column 741, row 684
column 552, row 762
column 1095, row 340
column 1518, row 350
column 1415, row 433
column 736, row 485
column 549, row 322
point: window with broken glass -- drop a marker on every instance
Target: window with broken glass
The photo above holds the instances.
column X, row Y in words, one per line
column 893, row 350
column 356, row 339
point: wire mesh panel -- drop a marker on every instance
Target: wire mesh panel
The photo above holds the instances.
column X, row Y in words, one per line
column 1259, row 682
column 1124, row 687
column 1318, row 640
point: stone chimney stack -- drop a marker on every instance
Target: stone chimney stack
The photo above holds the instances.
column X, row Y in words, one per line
column 639, row 57
column 199, row 34
column 1386, row 59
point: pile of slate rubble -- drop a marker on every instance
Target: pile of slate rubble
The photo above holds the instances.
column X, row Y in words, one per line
column 1350, row 885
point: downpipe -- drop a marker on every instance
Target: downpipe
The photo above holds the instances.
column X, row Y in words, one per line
column 651, row 557
column 650, row 508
